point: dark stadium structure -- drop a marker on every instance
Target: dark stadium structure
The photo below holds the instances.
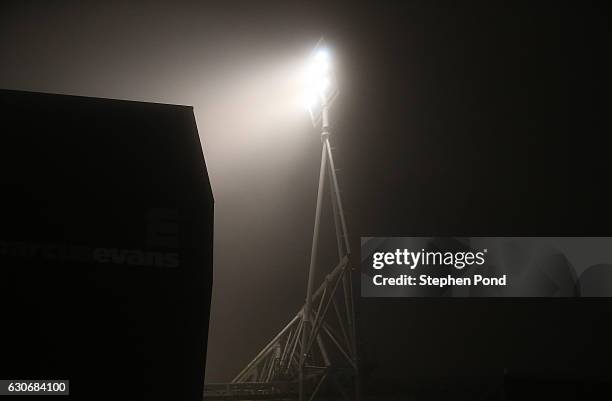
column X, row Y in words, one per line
column 106, row 242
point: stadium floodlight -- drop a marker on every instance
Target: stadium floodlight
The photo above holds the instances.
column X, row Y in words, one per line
column 321, row 85
column 300, row 350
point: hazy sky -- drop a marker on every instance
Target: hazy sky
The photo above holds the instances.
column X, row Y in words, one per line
column 448, row 120
column 240, row 65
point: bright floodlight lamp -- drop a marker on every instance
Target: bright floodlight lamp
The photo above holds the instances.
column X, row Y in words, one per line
column 321, row 85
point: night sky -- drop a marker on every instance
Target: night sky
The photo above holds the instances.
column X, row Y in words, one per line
column 487, row 119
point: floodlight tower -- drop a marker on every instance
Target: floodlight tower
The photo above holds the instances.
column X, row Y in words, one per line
column 323, row 90
column 317, row 346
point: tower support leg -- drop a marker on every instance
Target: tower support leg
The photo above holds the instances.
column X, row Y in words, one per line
column 311, row 276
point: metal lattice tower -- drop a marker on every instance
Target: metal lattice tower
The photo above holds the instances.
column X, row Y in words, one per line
column 317, row 349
